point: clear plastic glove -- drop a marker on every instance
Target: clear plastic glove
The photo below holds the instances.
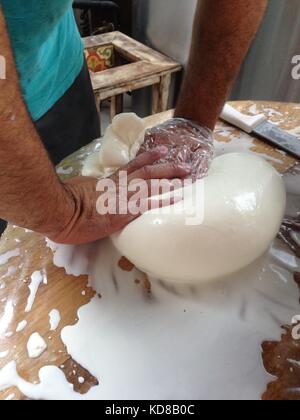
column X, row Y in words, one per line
column 187, row 142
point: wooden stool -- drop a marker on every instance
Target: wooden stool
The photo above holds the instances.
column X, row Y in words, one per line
column 118, row 64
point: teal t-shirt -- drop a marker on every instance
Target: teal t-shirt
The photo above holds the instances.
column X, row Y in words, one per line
column 47, row 48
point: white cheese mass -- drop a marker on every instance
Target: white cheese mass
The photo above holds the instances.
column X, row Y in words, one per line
column 240, row 203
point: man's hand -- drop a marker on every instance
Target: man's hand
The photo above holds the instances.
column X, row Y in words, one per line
column 187, row 143
column 86, row 225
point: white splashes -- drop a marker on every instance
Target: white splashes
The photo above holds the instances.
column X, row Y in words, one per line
column 21, row 326
column 294, row 362
column 253, row 110
column 270, row 112
column 45, row 276
column 10, row 397
column 54, row 319
column 36, row 346
column 7, row 317
column 4, row 258
column 4, row 354
column 36, row 280
column 242, row 144
column 270, row 158
column 273, row 113
column 10, row 272
column 224, row 131
column 65, row 257
column 53, row 385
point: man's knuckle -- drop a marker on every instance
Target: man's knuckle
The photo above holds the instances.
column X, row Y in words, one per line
column 173, row 167
column 147, row 170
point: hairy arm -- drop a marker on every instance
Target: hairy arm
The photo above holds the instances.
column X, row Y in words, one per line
column 31, row 194
column 222, row 35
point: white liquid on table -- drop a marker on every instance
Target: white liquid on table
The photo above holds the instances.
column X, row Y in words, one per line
column 36, row 281
column 242, row 143
column 21, row 326
column 36, row 346
column 54, row 319
column 4, row 258
column 198, row 342
column 4, row 354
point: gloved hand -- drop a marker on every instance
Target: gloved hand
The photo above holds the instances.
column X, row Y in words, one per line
column 187, row 142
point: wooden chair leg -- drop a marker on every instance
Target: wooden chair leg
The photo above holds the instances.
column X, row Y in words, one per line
column 116, row 106
column 98, row 106
column 160, row 94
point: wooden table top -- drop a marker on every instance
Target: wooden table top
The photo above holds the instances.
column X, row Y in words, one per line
column 65, row 292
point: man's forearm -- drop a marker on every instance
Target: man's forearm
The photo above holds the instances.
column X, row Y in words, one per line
column 223, row 32
column 31, row 194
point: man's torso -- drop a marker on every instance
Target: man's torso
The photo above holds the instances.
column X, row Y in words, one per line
column 47, row 48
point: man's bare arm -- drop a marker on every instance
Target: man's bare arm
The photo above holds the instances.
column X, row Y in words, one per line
column 31, row 195
column 223, row 32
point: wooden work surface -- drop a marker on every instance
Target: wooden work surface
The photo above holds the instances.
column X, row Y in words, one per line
column 64, row 292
